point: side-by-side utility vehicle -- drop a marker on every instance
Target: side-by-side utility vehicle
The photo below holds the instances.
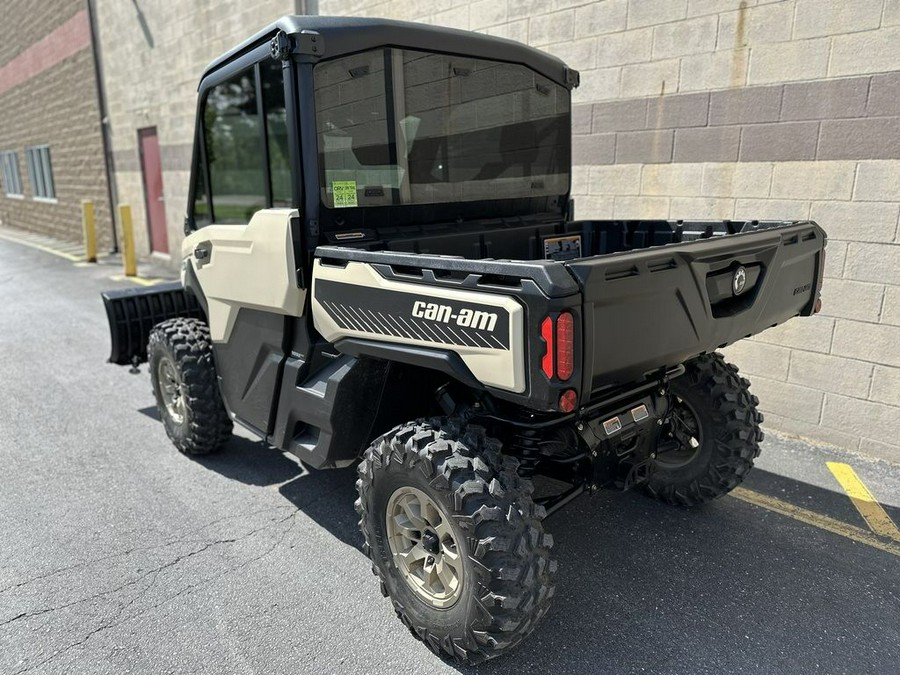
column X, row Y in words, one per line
column 382, row 268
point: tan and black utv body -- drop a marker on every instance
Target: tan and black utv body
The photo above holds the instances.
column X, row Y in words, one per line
column 382, row 267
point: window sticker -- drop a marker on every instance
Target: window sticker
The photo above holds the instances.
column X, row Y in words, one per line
column 344, row 193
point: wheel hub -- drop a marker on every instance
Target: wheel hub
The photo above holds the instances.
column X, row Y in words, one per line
column 683, row 435
column 424, row 547
column 430, row 542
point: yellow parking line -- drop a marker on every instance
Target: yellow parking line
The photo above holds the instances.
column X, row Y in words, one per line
column 818, row 520
column 41, row 247
column 138, row 280
column 874, row 514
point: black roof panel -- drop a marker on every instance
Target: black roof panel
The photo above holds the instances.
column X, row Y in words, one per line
column 344, row 35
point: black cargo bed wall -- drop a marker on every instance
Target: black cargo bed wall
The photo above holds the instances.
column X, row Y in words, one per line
column 600, row 237
column 523, row 239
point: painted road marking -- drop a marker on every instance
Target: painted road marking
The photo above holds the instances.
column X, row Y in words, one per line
column 818, row 520
column 41, row 247
column 138, row 280
column 874, row 514
column 77, row 259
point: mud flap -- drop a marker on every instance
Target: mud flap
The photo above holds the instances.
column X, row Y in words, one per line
column 132, row 313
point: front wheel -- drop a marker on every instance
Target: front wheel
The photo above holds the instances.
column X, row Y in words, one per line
column 712, row 435
column 455, row 538
column 183, row 373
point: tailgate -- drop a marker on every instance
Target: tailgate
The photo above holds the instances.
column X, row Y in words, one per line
column 660, row 306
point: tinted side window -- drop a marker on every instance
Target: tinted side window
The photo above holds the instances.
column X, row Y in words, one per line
column 233, row 131
column 202, row 215
column 276, row 131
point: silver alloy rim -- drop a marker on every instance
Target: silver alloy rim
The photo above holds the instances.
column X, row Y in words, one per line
column 423, row 546
column 170, row 388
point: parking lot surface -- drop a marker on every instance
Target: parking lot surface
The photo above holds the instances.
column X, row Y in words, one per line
column 118, row 554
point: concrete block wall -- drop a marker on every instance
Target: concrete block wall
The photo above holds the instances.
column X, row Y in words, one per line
column 744, row 109
column 48, row 97
column 153, row 54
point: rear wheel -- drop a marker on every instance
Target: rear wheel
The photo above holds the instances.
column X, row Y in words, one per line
column 454, row 538
column 183, row 374
column 712, row 436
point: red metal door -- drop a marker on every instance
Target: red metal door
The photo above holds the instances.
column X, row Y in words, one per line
column 151, row 167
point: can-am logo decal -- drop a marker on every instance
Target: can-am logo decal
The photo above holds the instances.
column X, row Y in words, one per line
column 413, row 316
column 739, row 281
column 465, row 318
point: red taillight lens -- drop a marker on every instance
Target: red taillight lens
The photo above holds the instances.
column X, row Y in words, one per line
column 565, row 346
column 568, row 401
column 547, row 335
column 559, row 346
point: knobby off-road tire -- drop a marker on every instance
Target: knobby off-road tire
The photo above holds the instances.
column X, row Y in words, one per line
column 183, row 374
column 507, row 578
column 729, row 435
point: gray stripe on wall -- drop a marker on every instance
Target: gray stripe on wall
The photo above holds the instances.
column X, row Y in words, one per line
column 177, row 157
column 850, row 118
column 126, row 160
column 174, row 156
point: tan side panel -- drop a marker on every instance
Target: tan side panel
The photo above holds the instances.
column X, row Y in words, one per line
column 250, row 266
column 501, row 368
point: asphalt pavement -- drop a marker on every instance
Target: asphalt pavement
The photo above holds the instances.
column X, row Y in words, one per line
column 118, row 554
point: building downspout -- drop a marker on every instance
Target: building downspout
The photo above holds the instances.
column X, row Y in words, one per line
column 108, row 162
column 310, row 7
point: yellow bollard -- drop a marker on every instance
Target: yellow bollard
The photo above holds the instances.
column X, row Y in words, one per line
column 128, row 255
column 89, row 226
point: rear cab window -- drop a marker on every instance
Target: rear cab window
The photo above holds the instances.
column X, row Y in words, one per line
column 401, row 126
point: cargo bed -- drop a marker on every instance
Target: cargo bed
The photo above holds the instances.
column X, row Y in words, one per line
column 651, row 294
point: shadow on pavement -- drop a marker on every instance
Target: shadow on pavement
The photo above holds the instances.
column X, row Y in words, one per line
column 642, row 587
column 325, row 496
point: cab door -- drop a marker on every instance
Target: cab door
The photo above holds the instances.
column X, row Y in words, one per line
column 242, row 258
column 248, row 276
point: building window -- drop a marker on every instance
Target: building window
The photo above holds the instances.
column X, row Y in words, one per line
column 40, row 172
column 12, row 183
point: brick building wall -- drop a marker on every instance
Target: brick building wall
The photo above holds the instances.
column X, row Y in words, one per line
column 153, row 54
column 48, row 96
column 744, row 109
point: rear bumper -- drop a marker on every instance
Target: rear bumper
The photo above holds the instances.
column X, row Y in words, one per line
column 133, row 312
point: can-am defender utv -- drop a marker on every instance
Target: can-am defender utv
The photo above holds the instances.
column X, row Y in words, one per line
column 381, row 266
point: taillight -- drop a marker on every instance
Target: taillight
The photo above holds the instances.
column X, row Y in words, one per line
column 547, row 335
column 568, row 401
column 565, row 346
column 559, row 346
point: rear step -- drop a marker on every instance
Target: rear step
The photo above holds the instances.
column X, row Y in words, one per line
column 132, row 313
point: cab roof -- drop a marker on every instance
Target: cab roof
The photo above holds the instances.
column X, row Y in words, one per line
column 345, row 35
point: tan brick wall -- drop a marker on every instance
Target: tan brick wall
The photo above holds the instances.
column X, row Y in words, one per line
column 744, row 109
column 153, row 55
column 57, row 107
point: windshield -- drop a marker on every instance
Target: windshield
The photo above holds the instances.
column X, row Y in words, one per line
column 397, row 126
